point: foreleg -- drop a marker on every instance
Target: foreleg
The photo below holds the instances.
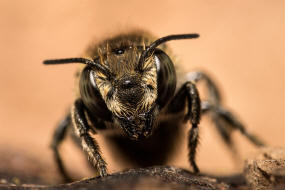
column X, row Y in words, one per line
column 88, row 143
column 188, row 96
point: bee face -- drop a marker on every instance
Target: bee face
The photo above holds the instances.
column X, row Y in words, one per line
column 130, row 95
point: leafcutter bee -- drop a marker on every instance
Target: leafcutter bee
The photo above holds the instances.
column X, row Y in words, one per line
column 129, row 87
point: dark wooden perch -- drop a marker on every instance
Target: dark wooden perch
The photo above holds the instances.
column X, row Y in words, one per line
column 159, row 177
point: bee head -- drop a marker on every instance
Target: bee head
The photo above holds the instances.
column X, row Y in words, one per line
column 127, row 83
column 129, row 93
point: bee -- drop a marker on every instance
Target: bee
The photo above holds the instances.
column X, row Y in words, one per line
column 130, row 92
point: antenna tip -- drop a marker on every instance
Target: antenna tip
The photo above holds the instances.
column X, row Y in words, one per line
column 46, row 62
column 193, row 35
column 197, row 35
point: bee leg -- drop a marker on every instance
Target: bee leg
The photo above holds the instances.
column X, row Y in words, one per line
column 224, row 117
column 189, row 93
column 224, row 121
column 58, row 137
column 88, row 143
column 214, row 98
column 224, row 130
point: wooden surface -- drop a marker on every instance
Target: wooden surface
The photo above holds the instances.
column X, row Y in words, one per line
column 160, row 178
column 263, row 171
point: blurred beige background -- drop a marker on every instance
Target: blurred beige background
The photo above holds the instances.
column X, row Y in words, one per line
column 242, row 45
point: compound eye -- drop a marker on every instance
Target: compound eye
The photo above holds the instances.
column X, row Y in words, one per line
column 166, row 77
column 119, row 51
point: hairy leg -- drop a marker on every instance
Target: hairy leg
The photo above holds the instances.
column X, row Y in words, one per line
column 88, row 143
column 188, row 96
column 224, row 120
column 231, row 121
